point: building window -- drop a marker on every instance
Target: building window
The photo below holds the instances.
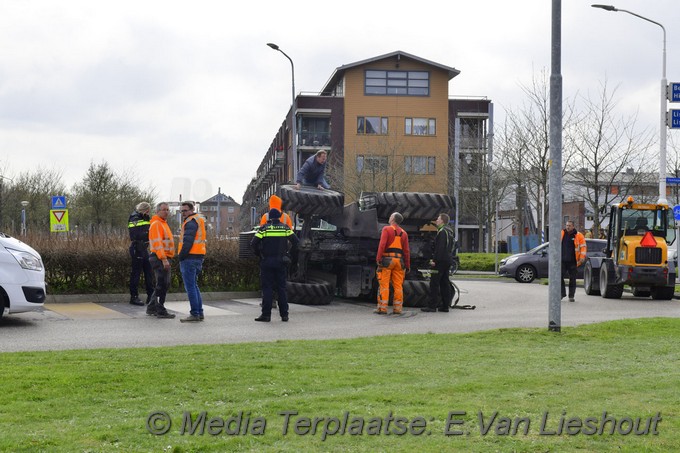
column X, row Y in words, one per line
column 371, row 164
column 420, row 165
column 402, row 83
column 230, row 219
column 230, row 209
column 420, row 126
column 372, row 125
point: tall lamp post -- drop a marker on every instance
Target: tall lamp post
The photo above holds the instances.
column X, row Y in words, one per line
column 293, row 119
column 24, row 204
column 662, row 123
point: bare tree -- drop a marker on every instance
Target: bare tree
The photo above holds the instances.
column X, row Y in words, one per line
column 608, row 155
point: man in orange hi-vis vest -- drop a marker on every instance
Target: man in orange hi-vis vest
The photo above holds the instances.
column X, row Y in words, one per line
column 191, row 251
column 394, row 261
column 276, row 202
column 162, row 248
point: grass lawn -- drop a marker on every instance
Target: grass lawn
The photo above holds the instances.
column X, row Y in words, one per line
column 403, row 389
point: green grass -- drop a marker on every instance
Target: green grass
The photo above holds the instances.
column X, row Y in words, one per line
column 99, row 400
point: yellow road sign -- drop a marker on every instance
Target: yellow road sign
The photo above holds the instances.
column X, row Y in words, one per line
column 58, row 220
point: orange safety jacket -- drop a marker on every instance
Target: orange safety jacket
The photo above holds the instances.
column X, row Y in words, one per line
column 198, row 247
column 579, row 247
column 161, row 242
column 285, row 219
column 398, row 245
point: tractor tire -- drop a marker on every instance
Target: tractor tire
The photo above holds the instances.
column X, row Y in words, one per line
column 310, row 293
column 413, row 205
column 609, row 291
column 312, row 201
column 416, row 293
column 588, row 285
column 663, row 292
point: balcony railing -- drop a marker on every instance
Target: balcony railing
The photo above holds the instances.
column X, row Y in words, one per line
column 315, row 138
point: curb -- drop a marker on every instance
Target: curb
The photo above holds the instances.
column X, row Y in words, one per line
column 125, row 298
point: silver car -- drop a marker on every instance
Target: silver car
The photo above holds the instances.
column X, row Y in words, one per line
column 526, row 267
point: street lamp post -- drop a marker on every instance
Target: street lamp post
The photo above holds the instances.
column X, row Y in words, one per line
column 293, row 118
column 24, row 204
column 662, row 123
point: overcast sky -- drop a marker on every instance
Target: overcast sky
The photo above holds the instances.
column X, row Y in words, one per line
column 187, row 96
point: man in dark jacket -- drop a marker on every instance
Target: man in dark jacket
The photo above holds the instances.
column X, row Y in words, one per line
column 138, row 227
column 440, row 286
column 271, row 245
column 312, row 172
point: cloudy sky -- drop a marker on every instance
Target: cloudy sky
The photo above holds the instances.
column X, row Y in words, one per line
column 187, row 97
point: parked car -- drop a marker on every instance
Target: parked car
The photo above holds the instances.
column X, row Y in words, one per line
column 526, row 267
column 22, row 277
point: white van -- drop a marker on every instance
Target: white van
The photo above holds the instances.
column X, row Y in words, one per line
column 22, row 277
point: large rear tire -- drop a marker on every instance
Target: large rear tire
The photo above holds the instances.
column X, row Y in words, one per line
column 609, row 291
column 663, row 292
column 416, row 293
column 588, row 284
column 311, row 201
column 317, row 292
column 412, row 205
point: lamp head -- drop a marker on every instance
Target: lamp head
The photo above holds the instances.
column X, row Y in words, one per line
column 273, row 46
column 605, row 7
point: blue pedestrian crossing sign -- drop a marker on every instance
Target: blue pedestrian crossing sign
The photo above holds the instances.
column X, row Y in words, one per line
column 676, row 211
column 59, row 202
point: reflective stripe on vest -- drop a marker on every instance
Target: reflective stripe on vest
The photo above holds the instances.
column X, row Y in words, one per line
column 198, row 247
column 274, row 231
column 139, row 223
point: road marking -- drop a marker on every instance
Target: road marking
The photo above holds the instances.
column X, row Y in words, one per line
column 85, row 310
column 183, row 307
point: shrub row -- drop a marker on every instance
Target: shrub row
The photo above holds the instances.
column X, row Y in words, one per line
column 87, row 265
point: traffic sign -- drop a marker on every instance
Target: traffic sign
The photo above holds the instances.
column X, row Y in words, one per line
column 58, row 220
column 673, row 92
column 676, row 211
column 673, row 119
column 672, row 181
column 59, row 202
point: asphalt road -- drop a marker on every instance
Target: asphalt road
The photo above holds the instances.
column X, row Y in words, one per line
column 500, row 304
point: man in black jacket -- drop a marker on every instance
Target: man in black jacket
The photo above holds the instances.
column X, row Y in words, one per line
column 440, row 286
column 271, row 245
column 138, row 227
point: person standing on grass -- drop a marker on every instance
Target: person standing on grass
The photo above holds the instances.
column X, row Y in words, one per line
column 442, row 259
column 191, row 251
column 162, row 250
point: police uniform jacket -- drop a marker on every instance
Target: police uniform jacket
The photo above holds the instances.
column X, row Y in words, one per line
column 138, row 227
column 271, row 243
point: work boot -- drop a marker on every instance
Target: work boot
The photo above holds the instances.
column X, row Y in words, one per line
column 262, row 319
column 134, row 300
column 152, row 308
column 165, row 314
column 191, row 318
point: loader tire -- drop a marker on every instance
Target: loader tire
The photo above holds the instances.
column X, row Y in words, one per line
column 311, row 201
column 413, row 205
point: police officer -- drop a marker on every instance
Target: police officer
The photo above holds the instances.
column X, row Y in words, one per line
column 138, row 227
column 271, row 245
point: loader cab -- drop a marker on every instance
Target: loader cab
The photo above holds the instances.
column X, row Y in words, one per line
column 643, row 224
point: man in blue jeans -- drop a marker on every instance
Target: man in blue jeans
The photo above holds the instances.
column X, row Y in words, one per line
column 191, row 254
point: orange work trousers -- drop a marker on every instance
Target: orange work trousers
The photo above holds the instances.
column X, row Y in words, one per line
column 393, row 273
